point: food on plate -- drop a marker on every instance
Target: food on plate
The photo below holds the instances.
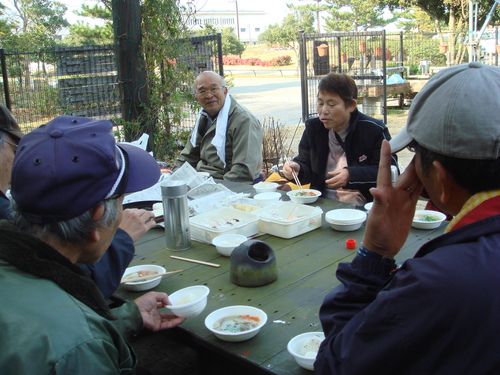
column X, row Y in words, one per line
column 237, row 323
column 305, row 194
column 134, row 275
column 245, row 207
column 310, row 346
column 426, row 217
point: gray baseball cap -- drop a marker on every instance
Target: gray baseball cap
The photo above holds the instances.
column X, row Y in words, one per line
column 457, row 114
column 9, row 124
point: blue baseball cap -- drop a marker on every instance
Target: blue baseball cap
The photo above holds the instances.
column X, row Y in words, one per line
column 67, row 166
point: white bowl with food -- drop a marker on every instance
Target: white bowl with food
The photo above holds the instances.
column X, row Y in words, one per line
column 304, row 196
column 265, row 187
column 265, row 199
column 189, row 302
column 226, row 243
column 428, row 219
column 304, row 348
column 236, row 323
column 345, row 219
column 140, row 271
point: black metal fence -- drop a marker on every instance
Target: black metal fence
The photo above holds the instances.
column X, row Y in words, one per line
column 373, row 59
column 78, row 81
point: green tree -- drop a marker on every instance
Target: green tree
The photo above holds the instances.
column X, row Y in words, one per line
column 231, row 45
column 450, row 17
column 355, row 15
column 83, row 33
column 8, row 36
column 286, row 35
column 37, row 22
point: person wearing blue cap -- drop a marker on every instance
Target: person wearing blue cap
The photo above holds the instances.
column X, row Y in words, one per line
column 108, row 271
column 69, row 178
column 438, row 312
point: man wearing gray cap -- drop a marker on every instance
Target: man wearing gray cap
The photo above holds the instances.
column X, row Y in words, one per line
column 438, row 313
column 69, row 178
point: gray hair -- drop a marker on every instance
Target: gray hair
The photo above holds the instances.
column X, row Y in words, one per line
column 75, row 230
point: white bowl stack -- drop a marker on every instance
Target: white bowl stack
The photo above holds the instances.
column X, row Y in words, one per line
column 345, row 219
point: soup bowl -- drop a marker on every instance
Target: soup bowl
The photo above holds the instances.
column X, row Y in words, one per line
column 228, row 327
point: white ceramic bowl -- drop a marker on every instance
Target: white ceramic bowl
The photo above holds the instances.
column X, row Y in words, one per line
column 189, row 302
column 304, row 347
column 226, row 243
column 428, row 219
column 139, row 286
column 345, row 219
column 265, row 187
column 265, row 199
column 311, row 197
column 228, row 311
column 368, row 206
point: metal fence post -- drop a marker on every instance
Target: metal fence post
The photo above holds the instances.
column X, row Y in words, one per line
column 303, row 75
column 219, row 54
column 5, row 77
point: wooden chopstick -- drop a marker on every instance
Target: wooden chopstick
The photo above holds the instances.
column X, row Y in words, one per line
column 294, row 174
column 147, row 277
column 195, row 261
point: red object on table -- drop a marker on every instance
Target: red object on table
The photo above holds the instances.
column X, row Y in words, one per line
column 350, row 244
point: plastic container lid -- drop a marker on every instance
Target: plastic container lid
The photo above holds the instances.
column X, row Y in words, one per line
column 345, row 216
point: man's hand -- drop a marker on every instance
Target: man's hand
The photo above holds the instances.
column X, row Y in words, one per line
column 137, row 222
column 153, row 319
column 393, row 208
column 339, row 178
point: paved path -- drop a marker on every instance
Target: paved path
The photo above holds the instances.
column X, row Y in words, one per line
column 278, row 98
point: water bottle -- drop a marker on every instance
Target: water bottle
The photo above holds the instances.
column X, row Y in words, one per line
column 176, row 215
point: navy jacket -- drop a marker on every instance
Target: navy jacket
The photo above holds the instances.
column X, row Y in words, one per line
column 438, row 314
column 363, row 143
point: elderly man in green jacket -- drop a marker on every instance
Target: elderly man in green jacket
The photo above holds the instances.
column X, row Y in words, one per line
column 227, row 139
column 69, row 178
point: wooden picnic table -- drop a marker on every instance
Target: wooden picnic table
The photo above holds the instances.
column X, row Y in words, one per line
column 306, row 273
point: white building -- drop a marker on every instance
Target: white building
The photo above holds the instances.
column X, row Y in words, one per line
column 247, row 24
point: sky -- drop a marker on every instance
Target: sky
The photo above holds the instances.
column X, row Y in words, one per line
column 276, row 8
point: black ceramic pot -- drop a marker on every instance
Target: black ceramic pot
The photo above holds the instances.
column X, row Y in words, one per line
column 253, row 263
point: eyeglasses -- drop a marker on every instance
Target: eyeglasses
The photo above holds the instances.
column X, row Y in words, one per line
column 212, row 91
column 10, row 143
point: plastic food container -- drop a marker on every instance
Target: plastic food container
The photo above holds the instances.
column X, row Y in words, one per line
column 206, row 226
column 288, row 219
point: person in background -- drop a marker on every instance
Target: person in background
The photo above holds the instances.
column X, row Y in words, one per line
column 108, row 271
column 69, row 178
column 339, row 150
column 227, row 139
column 438, row 312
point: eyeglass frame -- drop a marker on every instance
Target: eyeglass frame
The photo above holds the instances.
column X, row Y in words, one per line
column 213, row 91
column 10, row 143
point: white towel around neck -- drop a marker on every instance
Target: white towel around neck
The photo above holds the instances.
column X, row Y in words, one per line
column 219, row 140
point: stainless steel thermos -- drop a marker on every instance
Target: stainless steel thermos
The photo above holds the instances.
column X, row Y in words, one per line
column 176, row 215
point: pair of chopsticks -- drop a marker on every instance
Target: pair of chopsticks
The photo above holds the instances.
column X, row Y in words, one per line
column 195, row 261
column 294, row 174
column 147, row 277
